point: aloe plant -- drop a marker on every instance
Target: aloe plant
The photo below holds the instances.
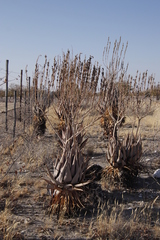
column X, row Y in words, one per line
column 76, row 86
column 39, row 119
column 123, row 158
column 67, row 179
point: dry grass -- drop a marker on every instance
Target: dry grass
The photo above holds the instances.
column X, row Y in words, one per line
column 2, row 106
column 26, row 202
column 112, row 224
column 118, row 228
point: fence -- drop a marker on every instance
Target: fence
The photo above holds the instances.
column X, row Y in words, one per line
column 17, row 113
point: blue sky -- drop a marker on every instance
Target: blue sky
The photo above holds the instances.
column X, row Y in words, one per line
column 29, row 28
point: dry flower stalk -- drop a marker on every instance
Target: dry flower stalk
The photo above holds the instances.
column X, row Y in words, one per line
column 141, row 98
column 112, row 91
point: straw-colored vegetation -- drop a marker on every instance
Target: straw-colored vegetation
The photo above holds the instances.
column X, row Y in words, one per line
column 82, row 170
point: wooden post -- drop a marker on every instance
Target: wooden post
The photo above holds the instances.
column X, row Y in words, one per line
column 14, row 126
column 20, row 113
column 6, row 92
column 29, row 100
column 24, row 121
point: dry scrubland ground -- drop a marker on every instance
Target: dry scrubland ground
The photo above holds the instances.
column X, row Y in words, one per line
column 2, row 106
column 112, row 212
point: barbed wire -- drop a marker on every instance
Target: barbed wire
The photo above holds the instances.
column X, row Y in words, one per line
column 10, row 74
column 2, row 83
column 2, row 69
column 1, row 78
column 8, row 81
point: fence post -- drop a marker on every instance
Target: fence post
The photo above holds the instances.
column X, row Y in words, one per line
column 29, row 99
column 14, row 126
column 20, row 113
column 24, row 121
column 6, row 92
